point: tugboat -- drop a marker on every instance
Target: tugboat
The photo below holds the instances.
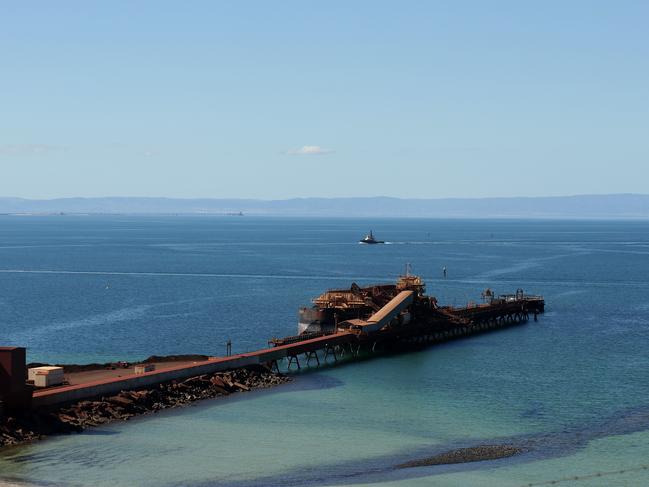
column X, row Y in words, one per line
column 369, row 239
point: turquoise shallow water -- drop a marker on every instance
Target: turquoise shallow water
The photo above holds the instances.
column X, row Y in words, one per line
column 571, row 389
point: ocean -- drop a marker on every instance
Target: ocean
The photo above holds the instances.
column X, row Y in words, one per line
column 571, row 389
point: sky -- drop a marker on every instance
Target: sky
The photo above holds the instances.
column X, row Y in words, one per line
column 285, row 99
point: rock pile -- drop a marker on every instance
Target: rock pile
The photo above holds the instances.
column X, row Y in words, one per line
column 36, row 424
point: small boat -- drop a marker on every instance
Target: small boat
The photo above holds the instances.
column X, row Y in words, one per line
column 369, row 239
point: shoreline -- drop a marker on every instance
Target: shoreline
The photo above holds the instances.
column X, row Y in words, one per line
column 39, row 424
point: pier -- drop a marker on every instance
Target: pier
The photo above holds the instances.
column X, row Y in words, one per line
column 385, row 329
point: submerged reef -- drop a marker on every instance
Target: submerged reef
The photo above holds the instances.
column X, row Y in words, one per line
column 465, row 455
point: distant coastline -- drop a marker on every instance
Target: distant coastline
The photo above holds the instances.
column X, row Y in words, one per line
column 613, row 206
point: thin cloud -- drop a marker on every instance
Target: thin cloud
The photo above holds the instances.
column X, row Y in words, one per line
column 30, row 149
column 310, row 150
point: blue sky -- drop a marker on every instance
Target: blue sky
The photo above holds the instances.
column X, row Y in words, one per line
column 298, row 98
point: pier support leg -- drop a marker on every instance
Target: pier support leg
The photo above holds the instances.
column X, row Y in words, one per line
column 311, row 355
column 332, row 351
column 291, row 359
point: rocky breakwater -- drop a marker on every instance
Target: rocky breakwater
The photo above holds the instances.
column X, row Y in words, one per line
column 34, row 425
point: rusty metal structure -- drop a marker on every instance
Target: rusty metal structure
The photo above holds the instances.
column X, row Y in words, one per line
column 339, row 305
column 393, row 315
column 347, row 308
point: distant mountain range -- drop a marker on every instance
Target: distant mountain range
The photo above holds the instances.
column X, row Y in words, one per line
column 583, row 206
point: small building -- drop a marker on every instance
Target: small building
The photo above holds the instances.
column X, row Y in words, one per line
column 144, row 368
column 46, row 376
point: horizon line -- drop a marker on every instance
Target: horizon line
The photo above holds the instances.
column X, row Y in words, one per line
column 290, row 198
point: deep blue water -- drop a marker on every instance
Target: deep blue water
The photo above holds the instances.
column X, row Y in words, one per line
column 575, row 385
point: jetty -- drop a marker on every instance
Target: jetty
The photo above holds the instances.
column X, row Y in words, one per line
column 407, row 318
